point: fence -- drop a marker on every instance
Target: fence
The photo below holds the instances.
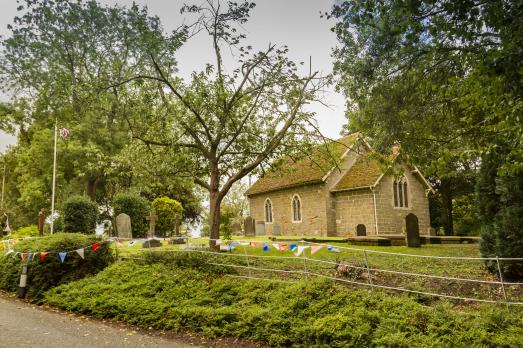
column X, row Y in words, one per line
column 455, row 278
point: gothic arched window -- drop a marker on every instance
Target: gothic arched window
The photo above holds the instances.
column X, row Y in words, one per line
column 268, row 211
column 296, row 209
column 400, row 191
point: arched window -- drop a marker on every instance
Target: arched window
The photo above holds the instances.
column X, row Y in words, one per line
column 400, row 191
column 296, row 209
column 268, row 211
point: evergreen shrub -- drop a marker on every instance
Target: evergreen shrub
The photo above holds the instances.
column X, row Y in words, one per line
column 169, row 213
column 137, row 207
column 51, row 272
column 80, row 214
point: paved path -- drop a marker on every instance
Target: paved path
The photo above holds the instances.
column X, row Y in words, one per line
column 25, row 325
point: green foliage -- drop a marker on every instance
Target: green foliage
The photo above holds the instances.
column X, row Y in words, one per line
column 80, row 214
column 137, row 207
column 500, row 204
column 317, row 313
column 169, row 213
column 27, row 231
column 43, row 275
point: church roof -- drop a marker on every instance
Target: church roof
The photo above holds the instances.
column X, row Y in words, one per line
column 309, row 170
column 364, row 172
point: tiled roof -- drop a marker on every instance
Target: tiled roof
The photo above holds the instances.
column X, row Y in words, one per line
column 365, row 172
column 309, row 170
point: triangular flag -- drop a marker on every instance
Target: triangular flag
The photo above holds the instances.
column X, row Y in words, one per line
column 244, row 243
column 24, row 256
column 253, row 244
column 29, row 256
column 283, row 247
column 218, row 242
column 62, row 256
column 80, row 252
column 333, row 249
column 43, row 254
column 131, row 243
column 265, row 246
column 15, row 255
column 276, row 246
column 292, row 247
column 232, row 245
column 300, row 249
column 95, row 246
column 315, row 248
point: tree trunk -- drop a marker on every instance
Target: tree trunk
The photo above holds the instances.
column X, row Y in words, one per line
column 214, row 219
column 446, row 207
column 91, row 188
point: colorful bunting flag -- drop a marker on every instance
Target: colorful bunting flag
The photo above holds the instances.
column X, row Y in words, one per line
column 43, row 254
column 95, row 246
column 266, row 247
column 253, row 244
column 131, row 243
column 276, row 246
column 333, row 249
column 300, row 249
column 24, row 256
column 62, row 256
column 315, row 248
column 283, row 247
column 293, row 247
column 232, row 245
column 80, row 252
column 15, row 255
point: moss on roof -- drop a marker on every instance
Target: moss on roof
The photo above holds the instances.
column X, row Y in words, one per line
column 365, row 172
column 311, row 169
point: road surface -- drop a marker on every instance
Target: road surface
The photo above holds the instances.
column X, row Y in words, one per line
column 26, row 325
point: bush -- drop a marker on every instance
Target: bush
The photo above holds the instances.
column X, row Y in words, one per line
column 26, row 231
column 316, row 313
column 137, row 207
column 46, row 274
column 80, row 215
column 169, row 213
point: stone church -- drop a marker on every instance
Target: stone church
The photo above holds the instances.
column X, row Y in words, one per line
column 340, row 190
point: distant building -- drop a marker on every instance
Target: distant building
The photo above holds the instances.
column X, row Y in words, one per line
column 314, row 197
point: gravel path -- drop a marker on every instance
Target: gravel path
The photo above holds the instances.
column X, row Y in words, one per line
column 26, row 325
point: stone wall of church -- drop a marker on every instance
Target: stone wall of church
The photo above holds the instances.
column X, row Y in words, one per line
column 391, row 220
column 313, row 203
column 353, row 208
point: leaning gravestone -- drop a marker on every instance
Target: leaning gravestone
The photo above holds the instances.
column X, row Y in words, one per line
column 361, row 230
column 276, row 230
column 260, row 228
column 248, row 225
column 123, row 226
column 236, row 228
column 412, row 227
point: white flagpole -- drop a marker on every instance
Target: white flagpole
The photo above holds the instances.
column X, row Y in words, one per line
column 54, row 175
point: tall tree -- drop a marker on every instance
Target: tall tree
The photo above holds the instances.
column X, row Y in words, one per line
column 224, row 123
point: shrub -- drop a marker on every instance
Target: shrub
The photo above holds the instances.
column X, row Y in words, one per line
column 80, row 215
column 26, row 231
column 169, row 213
column 46, row 274
column 137, row 207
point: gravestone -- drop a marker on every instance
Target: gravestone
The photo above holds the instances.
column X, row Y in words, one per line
column 412, row 227
column 276, row 230
column 151, row 243
column 236, row 228
column 152, row 224
column 123, row 226
column 248, row 225
column 41, row 222
column 361, row 230
column 260, row 228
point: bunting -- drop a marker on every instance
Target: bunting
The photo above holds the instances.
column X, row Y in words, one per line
column 266, row 247
column 283, row 247
column 62, row 256
column 253, row 244
column 24, row 256
column 95, row 246
column 293, row 247
column 276, row 246
column 333, row 249
column 43, row 254
column 300, row 249
column 315, row 248
column 80, row 252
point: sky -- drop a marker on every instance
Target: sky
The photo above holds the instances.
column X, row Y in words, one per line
column 295, row 23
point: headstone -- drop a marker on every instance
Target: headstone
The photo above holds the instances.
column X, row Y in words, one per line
column 432, row 231
column 236, row 228
column 276, row 230
column 152, row 223
column 260, row 228
column 361, row 230
column 248, row 226
column 123, row 226
column 151, row 243
column 41, row 222
column 177, row 240
column 412, row 228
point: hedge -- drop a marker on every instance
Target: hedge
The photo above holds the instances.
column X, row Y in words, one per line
column 51, row 272
column 80, row 214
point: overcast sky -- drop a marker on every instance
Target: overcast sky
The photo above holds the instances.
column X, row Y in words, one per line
column 295, row 23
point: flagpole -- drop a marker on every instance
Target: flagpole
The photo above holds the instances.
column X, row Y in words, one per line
column 3, row 188
column 54, row 175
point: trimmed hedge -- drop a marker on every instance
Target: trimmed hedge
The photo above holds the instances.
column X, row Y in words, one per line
column 137, row 207
column 80, row 214
column 51, row 272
